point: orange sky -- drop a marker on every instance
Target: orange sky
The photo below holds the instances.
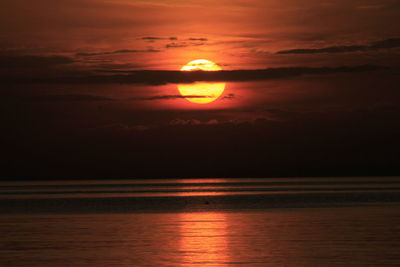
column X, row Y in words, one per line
column 237, row 34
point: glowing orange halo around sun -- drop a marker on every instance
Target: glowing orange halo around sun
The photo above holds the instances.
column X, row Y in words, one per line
column 201, row 92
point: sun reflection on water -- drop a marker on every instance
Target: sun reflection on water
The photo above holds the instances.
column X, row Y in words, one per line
column 203, row 239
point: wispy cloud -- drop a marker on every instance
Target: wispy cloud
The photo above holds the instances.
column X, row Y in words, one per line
column 384, row 44
column 122, row 51
column 28, row 61
column 182, row 44
column 198, row 39
column 68, row 98
column 187, row 42
column 388, row 43
column 91, row 98
column 167, row 97
column 157, row 38
column 153, row 38
column 184, row 122
column 228, row 97
column 160, row 77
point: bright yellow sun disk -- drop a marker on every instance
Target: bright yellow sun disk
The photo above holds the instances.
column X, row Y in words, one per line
column 201, row 64
column 201, row 92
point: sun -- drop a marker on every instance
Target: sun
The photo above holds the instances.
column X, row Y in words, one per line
column 201, row 64
column 201, row 92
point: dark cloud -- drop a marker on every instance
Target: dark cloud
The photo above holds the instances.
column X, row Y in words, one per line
column 179, row 121
column 68, row 98
column 384, row 44
column 228, row 96
column 184, row 122
column 155, row 77
column 176, row 45
column 388, row 43
column 88, row 98
column 332, row 49
column 28, row 61
column 153, row 39
column 187, row 43
column 122, row 51
column 168, row 97
column 198, row 39
column 182, row 44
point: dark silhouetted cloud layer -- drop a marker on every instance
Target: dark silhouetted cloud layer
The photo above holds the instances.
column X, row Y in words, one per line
column 384, row 44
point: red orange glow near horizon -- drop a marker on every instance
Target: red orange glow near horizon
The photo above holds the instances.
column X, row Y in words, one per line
column 201, row 92
column 204, row 238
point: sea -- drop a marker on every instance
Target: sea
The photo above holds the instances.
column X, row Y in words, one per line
column 320, row 221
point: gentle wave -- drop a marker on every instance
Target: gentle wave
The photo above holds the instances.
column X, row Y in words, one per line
column 187, row 187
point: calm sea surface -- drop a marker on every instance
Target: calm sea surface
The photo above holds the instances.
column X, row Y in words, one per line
column 201, row 222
